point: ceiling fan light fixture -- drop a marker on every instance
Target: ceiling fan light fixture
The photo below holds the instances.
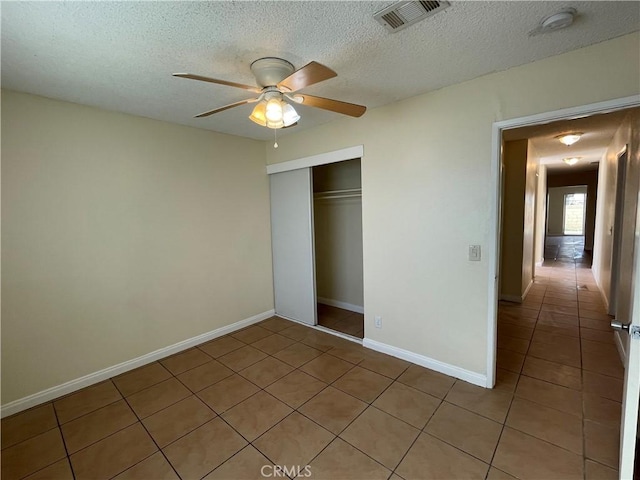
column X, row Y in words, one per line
column 274, row 110
column 571, row 161
column 278, row 80
column 569, row 138
column 258, row 115
column 289, row 115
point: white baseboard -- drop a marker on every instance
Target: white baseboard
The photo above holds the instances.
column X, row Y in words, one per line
column 451, row 370
column 517, row 298
column 104, row 374
column 621, row 347
column 339, row 304
column 511, row 298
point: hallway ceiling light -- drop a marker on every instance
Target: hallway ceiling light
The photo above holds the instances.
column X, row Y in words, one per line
column 571, row 161
column 569, row 138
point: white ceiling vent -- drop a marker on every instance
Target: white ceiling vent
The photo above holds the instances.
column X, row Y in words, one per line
column 402, row 14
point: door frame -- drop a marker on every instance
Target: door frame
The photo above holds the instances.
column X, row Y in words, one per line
column 334, row 156
column 496, row 201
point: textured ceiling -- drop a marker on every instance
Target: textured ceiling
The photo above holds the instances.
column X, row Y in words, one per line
column 598, row 130
column 120, row 55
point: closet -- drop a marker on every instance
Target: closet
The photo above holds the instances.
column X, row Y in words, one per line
column 316, row 230
column 337, row 207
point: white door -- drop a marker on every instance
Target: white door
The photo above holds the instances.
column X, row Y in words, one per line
column 294, row 276
column 631, row 395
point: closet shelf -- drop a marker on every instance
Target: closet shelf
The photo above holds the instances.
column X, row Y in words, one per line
column 345, row 193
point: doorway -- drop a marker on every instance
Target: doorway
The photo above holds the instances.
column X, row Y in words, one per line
column 566, row 310
column 337, row 206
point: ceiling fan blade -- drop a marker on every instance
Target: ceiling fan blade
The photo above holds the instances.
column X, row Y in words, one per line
column 226, row 107
column 200, row 78
column 345, row 108
column 311, row 73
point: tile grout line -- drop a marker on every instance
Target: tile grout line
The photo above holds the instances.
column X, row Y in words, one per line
column 148, row 433
column 515, row 388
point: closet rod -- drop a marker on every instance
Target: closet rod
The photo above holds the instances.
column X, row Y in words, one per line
column 339, row 192
column 345, row 195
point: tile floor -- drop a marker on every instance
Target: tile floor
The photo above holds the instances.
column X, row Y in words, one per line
column 341, row 320
column 279, row 393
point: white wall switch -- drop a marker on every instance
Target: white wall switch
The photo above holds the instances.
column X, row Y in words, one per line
column 378, row 321
column 474, row 253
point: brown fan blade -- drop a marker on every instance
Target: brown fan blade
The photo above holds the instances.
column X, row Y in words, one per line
column 311, row 73
column 345, row 108
column 215, row 80
column 226, row 107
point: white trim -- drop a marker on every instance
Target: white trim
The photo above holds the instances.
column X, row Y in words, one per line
column 517, row 298
column 104, row 374
column 511, row 298
column 451, row 370
column 494, row 227
column 320, row 159
column 343, row 305
column 620, row 346
column 320, row 328
column 570, row 113
column 336, row 333
column 605, row 299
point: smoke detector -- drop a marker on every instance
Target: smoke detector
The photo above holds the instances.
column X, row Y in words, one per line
column 556, row 21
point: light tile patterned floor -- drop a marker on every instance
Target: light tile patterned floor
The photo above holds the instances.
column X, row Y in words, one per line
column 284, row 394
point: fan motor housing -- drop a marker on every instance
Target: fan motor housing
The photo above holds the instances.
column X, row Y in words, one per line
column 269, row 71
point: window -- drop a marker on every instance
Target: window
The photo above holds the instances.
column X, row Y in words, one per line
column 574, row 205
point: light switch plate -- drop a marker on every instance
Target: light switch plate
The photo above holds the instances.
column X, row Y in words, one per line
column 474, row 253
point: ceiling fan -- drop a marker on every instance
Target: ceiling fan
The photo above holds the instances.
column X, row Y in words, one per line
column 278, row 80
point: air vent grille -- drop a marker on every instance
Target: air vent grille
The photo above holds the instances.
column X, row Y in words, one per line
column 402, row 14
column 393, row 20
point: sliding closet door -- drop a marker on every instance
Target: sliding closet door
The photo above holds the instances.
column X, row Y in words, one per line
column 294, row 277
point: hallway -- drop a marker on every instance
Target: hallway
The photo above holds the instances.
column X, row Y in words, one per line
column 556, row 351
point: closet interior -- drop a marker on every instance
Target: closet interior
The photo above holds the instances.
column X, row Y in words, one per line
column 337, row 211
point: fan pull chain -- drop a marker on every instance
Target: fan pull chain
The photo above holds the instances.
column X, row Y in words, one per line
column 275, row 138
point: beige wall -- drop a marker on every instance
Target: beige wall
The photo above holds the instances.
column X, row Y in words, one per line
column 121, row 235
column 426, row 178
column 518, row 220
column 627, row 134
column 631, row 129
column 555, row 219
column 338, row 246
column 541, row 214
column 514, row 165
column 528, row 236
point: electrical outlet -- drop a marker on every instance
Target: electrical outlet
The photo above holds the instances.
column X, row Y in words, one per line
column 378, row 321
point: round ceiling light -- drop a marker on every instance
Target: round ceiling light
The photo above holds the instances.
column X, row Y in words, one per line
column 569, row 138
column 571, row 161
